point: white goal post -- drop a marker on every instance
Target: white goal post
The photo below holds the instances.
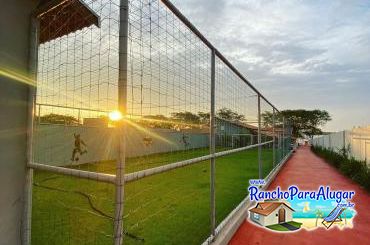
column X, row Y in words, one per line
column 234, row 137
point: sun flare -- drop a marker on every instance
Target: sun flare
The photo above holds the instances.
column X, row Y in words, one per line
column 115, row 116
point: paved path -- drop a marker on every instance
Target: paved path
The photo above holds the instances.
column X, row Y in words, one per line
column 308, row 171
column 289, row 226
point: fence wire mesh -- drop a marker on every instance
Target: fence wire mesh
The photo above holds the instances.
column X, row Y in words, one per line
column 77, row 89
column 236, row 112
column 167, row 126
column 67, row 210
column 280, row 133
column 168, row 89
column 267, row 135
column 168, row 117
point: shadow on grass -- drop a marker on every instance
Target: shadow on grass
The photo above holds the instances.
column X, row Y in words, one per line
column 288, row 226
column 167, row 208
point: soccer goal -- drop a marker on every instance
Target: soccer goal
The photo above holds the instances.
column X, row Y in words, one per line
column 240, row 140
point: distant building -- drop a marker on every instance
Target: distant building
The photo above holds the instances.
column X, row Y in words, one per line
column 234, row 134
column 227, row 127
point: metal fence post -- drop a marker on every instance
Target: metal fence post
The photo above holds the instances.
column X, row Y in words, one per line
column 366, row 158
column 344, row 139
column 213, row 144
column 39, row 115
column 283, row 138
column 122, row 105
column 260, row 172
column 32, row 66
column 79, row 116
column 273, row 135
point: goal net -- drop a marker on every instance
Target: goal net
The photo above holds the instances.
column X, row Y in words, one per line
column 241, row 140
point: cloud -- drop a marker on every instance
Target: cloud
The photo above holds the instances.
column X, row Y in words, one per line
column 334, row 204
column 320, row 207
column 300, row 54
column 323, row 207
column 302, row 204
column 305, row 206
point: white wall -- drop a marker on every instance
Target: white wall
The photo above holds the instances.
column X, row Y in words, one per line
column 14, row 43
column 53, row 144
column 260, row 221
column 357, row 140
column 273, row 218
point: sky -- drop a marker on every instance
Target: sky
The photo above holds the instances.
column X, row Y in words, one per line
column 307, row 208
column 299, row 54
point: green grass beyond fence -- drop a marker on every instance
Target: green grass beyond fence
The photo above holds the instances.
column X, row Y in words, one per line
column 168, row 208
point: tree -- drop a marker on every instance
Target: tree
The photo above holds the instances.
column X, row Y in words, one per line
column 156, row 121
column 303, row 122
column 156, row 117
column 186, row 116
column 204, row 117
column 319, row 215
column 53, row 118
column 230, row 115
column 268, row 119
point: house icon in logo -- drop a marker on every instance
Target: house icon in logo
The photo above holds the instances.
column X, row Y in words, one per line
column 271, row 212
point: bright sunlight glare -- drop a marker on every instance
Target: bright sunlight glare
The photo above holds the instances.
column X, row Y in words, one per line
column 115, row 116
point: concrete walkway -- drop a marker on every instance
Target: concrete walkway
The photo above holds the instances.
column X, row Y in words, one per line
column 289, row 226
column 308, row 171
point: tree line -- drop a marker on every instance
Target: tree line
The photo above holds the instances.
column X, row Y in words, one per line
column 302, row 122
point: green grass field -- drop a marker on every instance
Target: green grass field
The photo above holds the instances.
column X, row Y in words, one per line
column 168, row 208
column 279, row 227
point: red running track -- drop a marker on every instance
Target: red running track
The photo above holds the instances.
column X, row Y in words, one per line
column 308, row 171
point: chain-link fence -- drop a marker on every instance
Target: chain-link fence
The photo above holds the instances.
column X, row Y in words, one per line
column 143, row 132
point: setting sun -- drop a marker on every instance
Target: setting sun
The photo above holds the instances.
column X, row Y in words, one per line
column 115, row 116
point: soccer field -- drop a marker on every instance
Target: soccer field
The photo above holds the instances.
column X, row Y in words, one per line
column 168, row 208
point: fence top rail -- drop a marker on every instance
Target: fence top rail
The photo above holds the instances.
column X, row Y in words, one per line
column 161, row 169
column 70, row 107
column 361, row 138
column 130, row 177
column 185, row 20
column 102, row 177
